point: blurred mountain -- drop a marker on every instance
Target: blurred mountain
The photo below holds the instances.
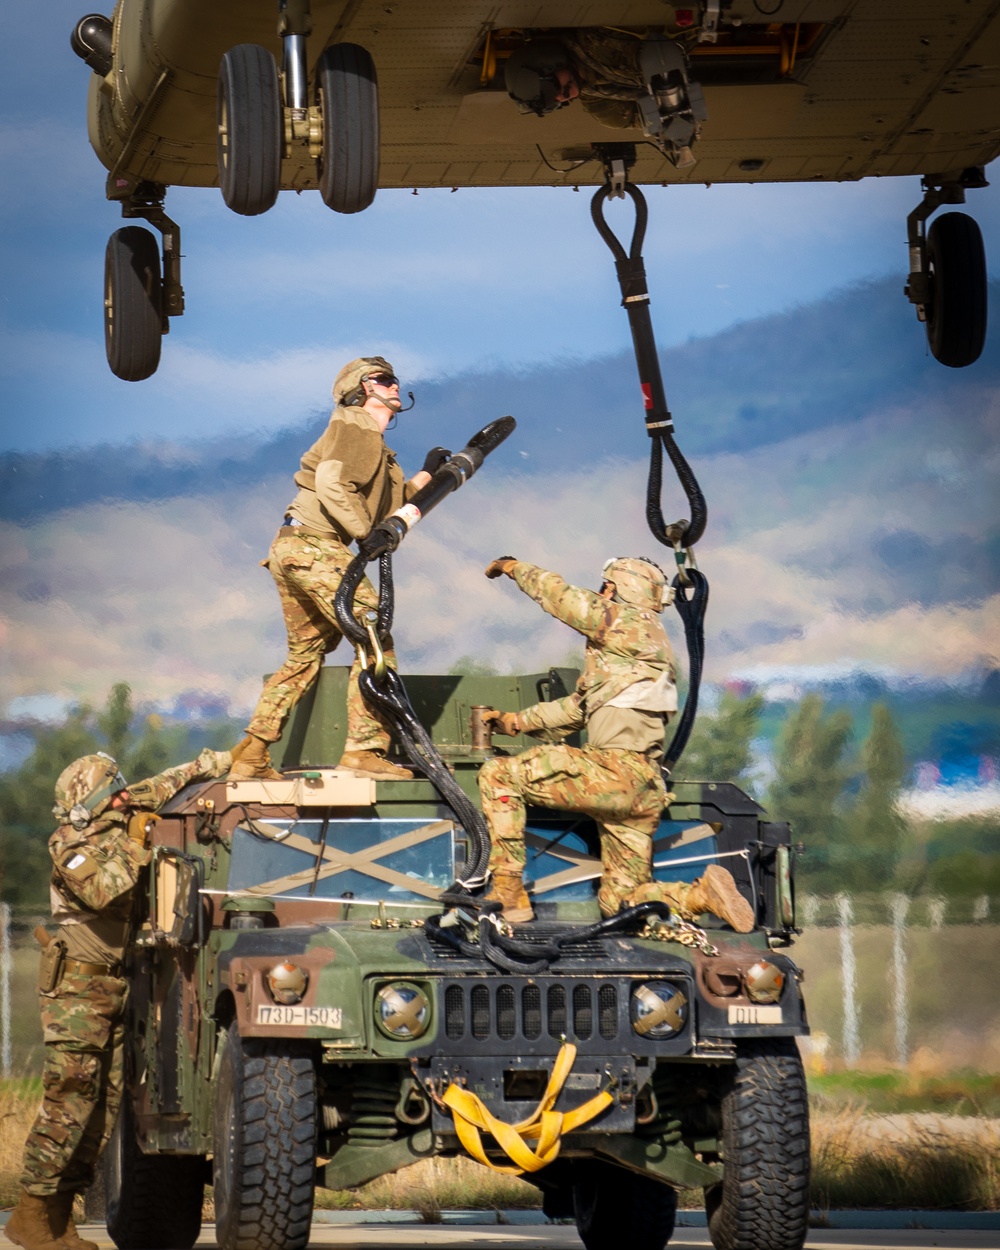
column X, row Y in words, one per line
column 828, row 364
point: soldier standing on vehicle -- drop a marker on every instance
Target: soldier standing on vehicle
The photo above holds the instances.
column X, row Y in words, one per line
column 348, row 482
column 98, row 853
column 624, row 699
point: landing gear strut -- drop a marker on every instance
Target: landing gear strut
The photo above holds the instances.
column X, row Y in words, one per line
column 139, row 297
column 947, row 281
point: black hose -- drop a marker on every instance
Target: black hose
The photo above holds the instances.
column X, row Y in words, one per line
column 391, row 700
column 692, row 613
column 527, row 958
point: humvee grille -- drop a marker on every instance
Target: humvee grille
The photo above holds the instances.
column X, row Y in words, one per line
column 485, row 1009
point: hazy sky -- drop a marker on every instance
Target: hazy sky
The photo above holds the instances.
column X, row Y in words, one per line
column 438, row 281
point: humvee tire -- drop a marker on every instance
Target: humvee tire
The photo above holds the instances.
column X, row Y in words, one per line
column 152, row 1202
column 615, row 1208
column 265, row 1144
column 762, row 1202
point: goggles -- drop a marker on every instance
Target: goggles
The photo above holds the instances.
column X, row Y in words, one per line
column 383, row 379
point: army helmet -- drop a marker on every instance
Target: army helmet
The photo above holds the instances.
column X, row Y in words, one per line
column 85, row 789
column 638, row 581
column 347, row 388
column 530, row 76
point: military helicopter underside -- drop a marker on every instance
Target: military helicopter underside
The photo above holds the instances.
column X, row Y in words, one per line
column 296, row 95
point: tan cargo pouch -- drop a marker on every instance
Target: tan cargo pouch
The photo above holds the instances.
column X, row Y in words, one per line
column 50, row 968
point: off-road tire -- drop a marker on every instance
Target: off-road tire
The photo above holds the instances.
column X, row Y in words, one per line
column 249, row 130
column 152, row 1201
column 265, row 1145
column 133, row 301
column 957, row 312
column 762, row 1202
column 615, row 1209
column 348, row 97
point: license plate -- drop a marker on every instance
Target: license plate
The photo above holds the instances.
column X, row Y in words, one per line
column 303, row 1017
column 754, row 1015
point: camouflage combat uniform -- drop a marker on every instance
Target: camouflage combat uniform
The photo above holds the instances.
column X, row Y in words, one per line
column 606, row 67
column 348, row 482
column 94, row 873
column 623, row 698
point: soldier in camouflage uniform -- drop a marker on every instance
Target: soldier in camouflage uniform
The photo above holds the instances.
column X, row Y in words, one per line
column 624, row 698
column 98, row 853
column 622, row 80
column 348, row 482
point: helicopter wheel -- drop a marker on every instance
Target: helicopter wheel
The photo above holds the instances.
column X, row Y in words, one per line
column 133, row 291
column 956, row 312
column 249, row 129
column 348, row 96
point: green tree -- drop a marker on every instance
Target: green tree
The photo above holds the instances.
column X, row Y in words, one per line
column 720, row 746
column 811, row 775
column 875, row 831
column 26, row 797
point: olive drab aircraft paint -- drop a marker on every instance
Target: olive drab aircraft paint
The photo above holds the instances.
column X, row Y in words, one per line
column 345, row 98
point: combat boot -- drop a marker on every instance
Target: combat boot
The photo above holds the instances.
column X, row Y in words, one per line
column 371, row 764
column 29, row 1226
column 508, row 888
column 253, row 762
column 62, row 1224
column 717, row 892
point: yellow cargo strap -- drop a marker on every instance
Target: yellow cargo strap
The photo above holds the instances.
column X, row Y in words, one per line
column 544, row 1126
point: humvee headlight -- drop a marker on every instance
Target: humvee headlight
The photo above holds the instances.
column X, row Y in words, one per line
column 658, row 1009
column 287, row 982
column 402, row 1011
column 764, row 982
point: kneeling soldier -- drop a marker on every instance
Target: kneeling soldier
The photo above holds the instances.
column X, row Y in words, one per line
column 98, row 852
column 624, row 699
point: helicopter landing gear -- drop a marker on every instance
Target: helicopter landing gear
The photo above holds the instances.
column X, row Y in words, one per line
column 248, row 140
column 139, row 294
column 947, row 281
column 262, row 115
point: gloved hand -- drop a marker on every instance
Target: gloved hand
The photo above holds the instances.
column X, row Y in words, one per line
column 236, row 751
column 216, row 763
column 502, row 564
column 502, row 722
column 140, row 826
column 435, row 458
column 374, row 543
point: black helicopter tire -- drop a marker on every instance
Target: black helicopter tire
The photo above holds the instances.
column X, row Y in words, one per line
column 348, row 95
column 264, row 1169
column 762, row 1202
column 957, row 312
column 152, row 1202
column 133, row 299
column 249, row 126
column 615, row 1208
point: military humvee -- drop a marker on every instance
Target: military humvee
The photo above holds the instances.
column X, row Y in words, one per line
column 298, row 1014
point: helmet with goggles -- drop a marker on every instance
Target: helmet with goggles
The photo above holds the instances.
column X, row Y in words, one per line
column 85, row 789
column 347, row 385
column 637, row 581
column 531, row 76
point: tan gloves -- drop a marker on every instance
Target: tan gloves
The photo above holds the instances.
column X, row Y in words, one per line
column 502, row 722
column 501, row 565
column 140, row 826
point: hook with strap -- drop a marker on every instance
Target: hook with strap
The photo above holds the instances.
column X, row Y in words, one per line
column 680, row 535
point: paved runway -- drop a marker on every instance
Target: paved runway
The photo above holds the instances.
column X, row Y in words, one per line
column 564, row 1237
